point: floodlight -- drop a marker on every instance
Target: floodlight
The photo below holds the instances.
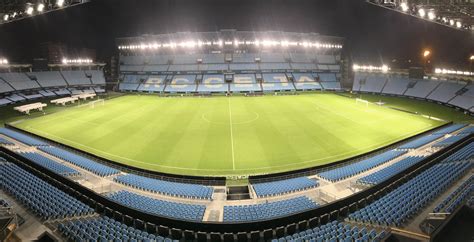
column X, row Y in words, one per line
column 421, row 12
column 5, row 17
column 64, row 61
column 60, row 3
column 426, row 53
column 458, row 24
column 40, row 7
column 451, row 22
column 431, row 15
column 471, row 58
column 14, row 14
column 384, row 68
column 29, row 10
column 404, row 6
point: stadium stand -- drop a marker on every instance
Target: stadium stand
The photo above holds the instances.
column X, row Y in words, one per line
column 267, row 210
column 449, row 140
column 75, row 78
column 389, row 171
column 41, row 198
column 395, row 85
column 468, row 130
column 370, row 83
column 104, row 229
column 21, row 137
column 457, row 197
column 336, row 231
column 49, row 79
column 245, row 83
column 418, row 142
column 5, row 142
column 49, row 164
column 451, row 128
column 191, row 212
column 165, row 187
column 305, row 81
column 5, row 87
column 80, row 161
column 422, row 88
column 343, row 172
column 153, row 84
column 445, row 91
column 19, row 81
column 465, row 99
column 405, row 201
column 276, row 82
column 465, row 153
column 181, row 83
column 97, row 77
column 213, row 83
column 267, row 189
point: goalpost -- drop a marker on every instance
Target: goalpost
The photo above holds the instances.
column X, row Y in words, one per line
column 98, row 102
column 362, row 101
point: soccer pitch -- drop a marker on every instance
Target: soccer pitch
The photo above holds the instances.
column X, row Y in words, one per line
column 228, row 135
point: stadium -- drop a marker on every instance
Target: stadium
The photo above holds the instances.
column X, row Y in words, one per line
column 185, row 121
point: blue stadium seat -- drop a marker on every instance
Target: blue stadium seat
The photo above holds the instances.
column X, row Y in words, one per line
column 284, row 186
column 49, row 164
column 389, row 171
column 421, row 141
column 23, row 138
column 191, row 212
column 84, row 163
column 165, row 187
column 104, row 229
column 457, row 197
column 43, row 199
column 396, row 207
column 267, row 210
column 343, row 172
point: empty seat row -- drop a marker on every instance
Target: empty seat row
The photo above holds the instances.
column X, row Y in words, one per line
column 467, row 130
column 5, row 142
column 284, row 186
column 343, row 172
column 336, row 231
column 83, row 162
column 49, row 164
column 451, row 128
column 23, row 138
column 465, row 153
column 390, row 171
column 403, row 203
column 454, row 199
column 268, row 210
column 166, row 187
column 183, row 211
column 45, row 200
column 449, row 140
column 421, row 141
column 105, row 229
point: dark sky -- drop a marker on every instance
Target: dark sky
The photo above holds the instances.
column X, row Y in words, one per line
column 372, row 34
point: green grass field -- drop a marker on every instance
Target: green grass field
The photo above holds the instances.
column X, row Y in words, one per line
column 228, row 136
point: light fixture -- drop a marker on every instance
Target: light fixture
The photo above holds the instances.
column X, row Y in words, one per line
column 458, row 24
column 40, row 7
column 5, row 17
column 471, row 58
column 29, row 10
column 431, row 15
column 426, row 53
column 59, row 3
column 404, row 6
column 421, row 12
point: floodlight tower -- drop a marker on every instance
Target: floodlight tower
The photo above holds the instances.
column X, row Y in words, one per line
column 426, row 58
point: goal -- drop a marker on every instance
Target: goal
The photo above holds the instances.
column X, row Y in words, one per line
column 362, row 101
column 98, row 102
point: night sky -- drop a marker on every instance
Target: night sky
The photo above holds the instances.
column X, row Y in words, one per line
column 373, row 35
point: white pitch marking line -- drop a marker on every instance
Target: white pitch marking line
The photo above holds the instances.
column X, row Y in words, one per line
column 231, row 135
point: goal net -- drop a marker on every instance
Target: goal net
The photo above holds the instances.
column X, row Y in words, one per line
column 362, row 101
column 98, row 102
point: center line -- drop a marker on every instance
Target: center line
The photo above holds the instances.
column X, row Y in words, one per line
column 231, row 136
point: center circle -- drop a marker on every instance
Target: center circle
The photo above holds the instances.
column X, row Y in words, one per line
column 224, row 118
